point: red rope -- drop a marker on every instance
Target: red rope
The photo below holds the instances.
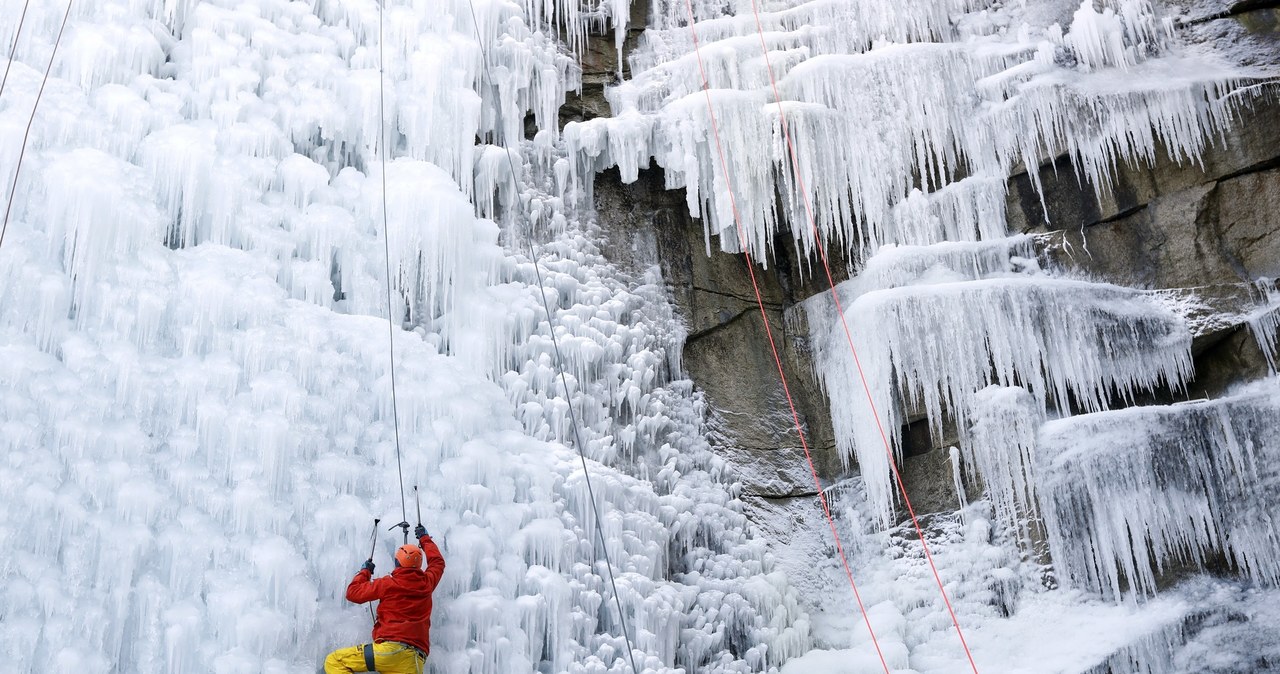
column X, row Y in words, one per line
column 795, row 417
column 804, row 193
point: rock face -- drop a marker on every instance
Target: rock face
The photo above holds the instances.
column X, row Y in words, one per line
column 1165, row 226
column 1210, row 227
column 1170, row 225
column 601, row 67
column 727, row 351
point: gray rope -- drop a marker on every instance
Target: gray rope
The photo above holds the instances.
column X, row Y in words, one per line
column 13, row 50
column 17, row 170
column 386, row 247
column 555, row 344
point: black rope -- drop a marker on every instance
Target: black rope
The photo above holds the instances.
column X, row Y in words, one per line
column 555, row 344
column 13, row 50
column 17, row 169
column 386, row 247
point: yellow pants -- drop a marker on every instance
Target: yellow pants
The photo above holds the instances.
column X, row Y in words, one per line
column 389, row 658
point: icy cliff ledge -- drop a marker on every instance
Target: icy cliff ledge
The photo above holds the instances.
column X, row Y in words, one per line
column 967, row 316
column 903, row 111
column 1130, row 493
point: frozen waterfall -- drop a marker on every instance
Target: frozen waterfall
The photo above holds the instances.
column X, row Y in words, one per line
column 195, row 374
column 195, row 397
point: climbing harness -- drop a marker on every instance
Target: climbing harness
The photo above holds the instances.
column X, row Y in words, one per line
column 559, row 363
column 26, row 135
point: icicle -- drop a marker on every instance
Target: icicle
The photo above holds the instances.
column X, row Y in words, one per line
column 1265, row 322
column 1000, row 448
column 1064, row 341
column 906, row 142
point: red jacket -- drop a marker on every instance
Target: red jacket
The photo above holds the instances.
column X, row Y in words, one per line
column 405, row 612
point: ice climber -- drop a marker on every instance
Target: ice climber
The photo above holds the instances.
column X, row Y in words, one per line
column 402, row 630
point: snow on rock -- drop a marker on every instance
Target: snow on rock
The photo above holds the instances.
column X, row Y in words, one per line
column 898, row 125
column 196, row 403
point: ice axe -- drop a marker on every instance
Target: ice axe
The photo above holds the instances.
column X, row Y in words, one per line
column 417, row 504
column 405, row 527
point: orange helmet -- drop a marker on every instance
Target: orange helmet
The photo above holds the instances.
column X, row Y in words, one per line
column 409, row 556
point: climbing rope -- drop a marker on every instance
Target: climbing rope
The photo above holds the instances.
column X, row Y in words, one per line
column 786, row 389
column 817, row 237
column 17, row 169
column 13, row 50
column 559, row 362
column 386, row 249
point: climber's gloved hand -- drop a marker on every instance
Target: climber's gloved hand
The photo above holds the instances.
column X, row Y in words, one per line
column 368, row 566
column 420, row 531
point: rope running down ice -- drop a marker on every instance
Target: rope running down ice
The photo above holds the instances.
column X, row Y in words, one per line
column 13, row 50
column 826, row 266
column 795, row 416
column 26, row 135
column 386, row 248
column 555, row 344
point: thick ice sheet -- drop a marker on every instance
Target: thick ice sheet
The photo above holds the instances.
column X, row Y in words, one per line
column 1129, row 494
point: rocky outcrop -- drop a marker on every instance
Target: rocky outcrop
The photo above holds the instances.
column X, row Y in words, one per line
column 1208, row 228
column 1169, row 225
column 727, row 350
column 601, row 67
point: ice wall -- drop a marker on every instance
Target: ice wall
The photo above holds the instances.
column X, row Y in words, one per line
column 1000, row 448
column 195, row 402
